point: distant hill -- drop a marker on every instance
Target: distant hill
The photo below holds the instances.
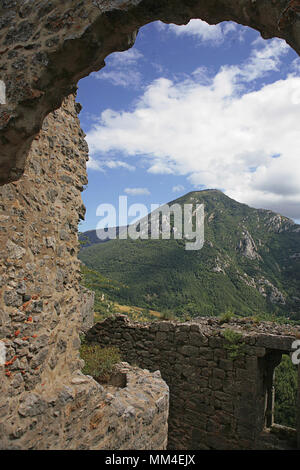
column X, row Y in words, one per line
column 91, row 237
column 250, row 263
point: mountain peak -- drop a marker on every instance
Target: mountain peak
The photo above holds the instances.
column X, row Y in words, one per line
column 249, row 263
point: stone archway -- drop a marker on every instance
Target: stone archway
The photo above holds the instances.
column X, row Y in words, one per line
column 47, row 47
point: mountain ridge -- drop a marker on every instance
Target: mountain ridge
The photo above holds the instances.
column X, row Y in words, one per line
column 249, row 263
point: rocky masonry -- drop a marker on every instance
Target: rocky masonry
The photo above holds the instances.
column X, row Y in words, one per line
column 39, row 268
column 45, row 401
column 220, row 377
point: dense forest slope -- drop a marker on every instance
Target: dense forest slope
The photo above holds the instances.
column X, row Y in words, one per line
column 250, row 263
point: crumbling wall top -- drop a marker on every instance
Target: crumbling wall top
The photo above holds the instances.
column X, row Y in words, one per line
column 266, row 334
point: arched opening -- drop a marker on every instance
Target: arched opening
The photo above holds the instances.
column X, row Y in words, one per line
column 279, row 393
column 183, row 90
column 285, row 389
column 168, row 117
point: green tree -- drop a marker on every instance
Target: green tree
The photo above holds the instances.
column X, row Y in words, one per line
column 286, row 385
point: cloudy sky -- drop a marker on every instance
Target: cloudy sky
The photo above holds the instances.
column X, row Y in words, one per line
column 194, row 107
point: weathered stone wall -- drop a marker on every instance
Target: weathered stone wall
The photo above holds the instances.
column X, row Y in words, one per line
column 84, row 415
column 45, row 403
column 39, row 269
column 87, row 299
column 216, row 401
column 46, row 47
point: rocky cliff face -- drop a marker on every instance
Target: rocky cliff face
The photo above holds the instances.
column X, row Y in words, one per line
column 46, row 47
column 247, row 246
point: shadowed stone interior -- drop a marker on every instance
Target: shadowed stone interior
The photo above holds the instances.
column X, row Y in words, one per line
column 216, row 401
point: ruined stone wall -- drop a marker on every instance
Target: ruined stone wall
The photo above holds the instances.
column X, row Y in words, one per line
column 39, row 269
column 87, row 299
column 45, row 402
column 217, row 401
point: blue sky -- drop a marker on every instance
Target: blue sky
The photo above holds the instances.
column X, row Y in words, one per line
column 194, row 107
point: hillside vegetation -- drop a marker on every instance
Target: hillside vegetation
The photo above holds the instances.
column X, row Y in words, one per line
column 250, row 264
column 107, row 296
column 106, row 293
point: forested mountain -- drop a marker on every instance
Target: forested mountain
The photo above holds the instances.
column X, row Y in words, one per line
column 250, row 263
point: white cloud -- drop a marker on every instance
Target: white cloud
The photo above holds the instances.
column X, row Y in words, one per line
column 124, row 78
column 217, row 133
column 296, row 66
column 178, row 188
column 122, row 69
column 137, row 191
column 159, row 25
column 198, row 29
column 264, row 58
column 101, row 165
column 229, row 27
column 129, row 57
